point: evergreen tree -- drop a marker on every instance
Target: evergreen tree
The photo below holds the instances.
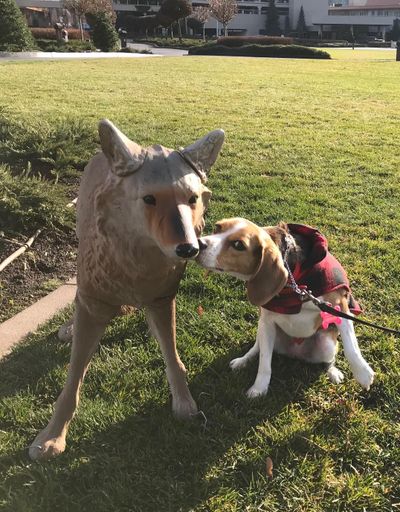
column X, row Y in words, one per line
column 288, row 28
column 394, row 34
column 104, row 35
column 272, row 26
column 301, row 28
column 14, row 32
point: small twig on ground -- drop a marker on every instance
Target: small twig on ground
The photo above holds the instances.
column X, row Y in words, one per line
column 201, row 413
column 19, row 251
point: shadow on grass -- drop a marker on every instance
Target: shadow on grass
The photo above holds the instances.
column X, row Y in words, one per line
column 149, row 461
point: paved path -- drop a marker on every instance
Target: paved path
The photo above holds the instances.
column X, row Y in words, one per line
column 156, row 52
column 5, row 56
column 167, row 52
column 15, row 329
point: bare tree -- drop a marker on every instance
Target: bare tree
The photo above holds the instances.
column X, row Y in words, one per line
column 82, row 7
column 202, row 15
column 224, row 11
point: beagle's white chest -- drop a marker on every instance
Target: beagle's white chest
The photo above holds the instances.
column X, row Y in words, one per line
column 300, row 325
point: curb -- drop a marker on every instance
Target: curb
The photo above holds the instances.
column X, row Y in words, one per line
column 15, row 329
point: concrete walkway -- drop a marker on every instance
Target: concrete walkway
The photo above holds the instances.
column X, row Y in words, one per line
column 166, row 52
column 7, row 56
column 15, row 329
column 156, row 52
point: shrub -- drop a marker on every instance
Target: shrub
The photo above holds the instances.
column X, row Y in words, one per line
column 104, row 35
column 172, row 43
column 59, row 46
column 54, row 151
column 235, row 41
column 50, row 33
column 29, row 203
column 14, row 32
column 278, row 51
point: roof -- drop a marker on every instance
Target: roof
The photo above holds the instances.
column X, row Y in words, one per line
column 369, row 4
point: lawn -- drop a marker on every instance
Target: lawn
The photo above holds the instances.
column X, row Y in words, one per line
column 307, row 141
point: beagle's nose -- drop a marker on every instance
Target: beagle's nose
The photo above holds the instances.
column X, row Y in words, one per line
column 202, row 245
column 186, row 251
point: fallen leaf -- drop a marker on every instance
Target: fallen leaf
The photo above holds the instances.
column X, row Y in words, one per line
column 200, row 310
column 269, row 467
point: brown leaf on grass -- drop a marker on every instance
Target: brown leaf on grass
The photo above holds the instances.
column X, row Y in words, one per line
column 269, row 467
column 200, row 310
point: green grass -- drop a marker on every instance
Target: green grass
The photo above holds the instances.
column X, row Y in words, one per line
column 307, row 141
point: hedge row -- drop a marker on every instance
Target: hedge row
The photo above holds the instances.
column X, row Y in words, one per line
column 50, row 33
column 278, row 51
column 236, row 41
column 46, row 45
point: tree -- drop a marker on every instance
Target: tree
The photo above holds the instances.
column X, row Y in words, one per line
column 394, row 34
column 82, row 7
column 224, row 11
column 175, row 10
column 301, row 27
column 202, row 15
column 14, row 32
column 104, row 35
column 288, row 28
column 272, row 26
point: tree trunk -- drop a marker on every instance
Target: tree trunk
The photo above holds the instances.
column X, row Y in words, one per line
column 225, row 29
column 179, row 30
column 204, row 31
column 81, row 27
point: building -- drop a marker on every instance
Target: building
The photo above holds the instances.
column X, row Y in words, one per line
column 324, row 19
column 45, row 13
column 371, row 18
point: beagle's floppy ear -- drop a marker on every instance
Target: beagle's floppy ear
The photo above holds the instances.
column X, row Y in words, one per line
column 204, row 152
column 270, row 277
column 125, row 156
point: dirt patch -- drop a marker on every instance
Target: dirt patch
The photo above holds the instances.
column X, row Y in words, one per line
column 46, row 265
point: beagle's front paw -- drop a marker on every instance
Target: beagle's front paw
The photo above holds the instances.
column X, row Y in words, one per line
column 238, row 363
column 364, row 375
column 335, row 375
column 256, row 391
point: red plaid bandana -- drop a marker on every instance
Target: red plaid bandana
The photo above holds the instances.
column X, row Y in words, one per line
column 321, row 273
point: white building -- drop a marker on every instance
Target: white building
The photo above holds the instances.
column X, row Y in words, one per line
column 373, row 17
column 323, row 18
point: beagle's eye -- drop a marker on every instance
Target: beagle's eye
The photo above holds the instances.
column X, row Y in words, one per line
column 193, row 199
column 218, row 228
column 149, row 200
column 238, row 245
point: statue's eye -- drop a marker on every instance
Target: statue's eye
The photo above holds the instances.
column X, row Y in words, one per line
column 193, row 199
column 238, row 245
column 149, row 200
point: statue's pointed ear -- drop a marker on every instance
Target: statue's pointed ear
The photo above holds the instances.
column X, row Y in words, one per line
column 204, row 152
column 125, row 156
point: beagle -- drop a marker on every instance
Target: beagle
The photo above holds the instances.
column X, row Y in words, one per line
column 261, row 257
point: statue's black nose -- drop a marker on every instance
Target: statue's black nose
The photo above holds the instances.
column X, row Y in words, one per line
column 202, row 245
column 186, row 251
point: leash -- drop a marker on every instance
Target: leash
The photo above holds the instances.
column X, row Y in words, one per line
column 324, row 306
